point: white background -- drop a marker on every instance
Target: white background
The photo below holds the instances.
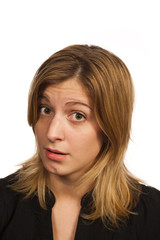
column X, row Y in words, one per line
column 31, row 30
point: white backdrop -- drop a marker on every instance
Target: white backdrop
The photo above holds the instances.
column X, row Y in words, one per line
column 31, row 30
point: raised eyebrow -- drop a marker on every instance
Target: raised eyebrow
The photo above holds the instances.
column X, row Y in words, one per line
column 79, row 103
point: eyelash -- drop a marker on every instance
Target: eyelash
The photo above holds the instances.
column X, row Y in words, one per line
column 42, row 107
column 81, row 115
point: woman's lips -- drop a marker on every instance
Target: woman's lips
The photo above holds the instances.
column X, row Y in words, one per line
column 55, row 154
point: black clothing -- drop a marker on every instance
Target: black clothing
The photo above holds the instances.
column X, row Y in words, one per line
column 25, row 219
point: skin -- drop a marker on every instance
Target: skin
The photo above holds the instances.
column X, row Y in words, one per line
column 67, row 123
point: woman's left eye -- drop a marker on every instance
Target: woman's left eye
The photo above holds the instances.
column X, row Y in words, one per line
column 78, row 116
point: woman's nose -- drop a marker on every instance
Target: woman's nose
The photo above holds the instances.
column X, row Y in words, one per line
column 55, row 130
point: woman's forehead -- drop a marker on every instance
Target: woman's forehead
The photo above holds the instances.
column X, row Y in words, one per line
column 70, row 90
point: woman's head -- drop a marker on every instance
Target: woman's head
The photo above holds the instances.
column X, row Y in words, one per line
column 106, row 80
column 105, row 83
column 67, row 134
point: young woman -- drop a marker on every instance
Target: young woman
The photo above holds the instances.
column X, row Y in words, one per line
column 76, row 186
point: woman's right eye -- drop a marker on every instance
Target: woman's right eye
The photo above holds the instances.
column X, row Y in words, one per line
column 44, row 110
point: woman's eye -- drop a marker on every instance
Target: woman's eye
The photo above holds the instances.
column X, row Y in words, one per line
column 78, row 116
column 44, row 110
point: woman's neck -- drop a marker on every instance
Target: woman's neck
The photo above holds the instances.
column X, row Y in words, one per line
column 65, row 187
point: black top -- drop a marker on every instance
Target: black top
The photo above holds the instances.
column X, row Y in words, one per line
column 25, row 220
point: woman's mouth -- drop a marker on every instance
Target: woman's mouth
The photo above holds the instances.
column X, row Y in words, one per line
column 55, row 155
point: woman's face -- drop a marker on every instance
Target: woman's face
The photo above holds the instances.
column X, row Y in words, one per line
column 67, row 133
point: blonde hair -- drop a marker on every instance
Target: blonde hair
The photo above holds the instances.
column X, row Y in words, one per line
column 108, row 82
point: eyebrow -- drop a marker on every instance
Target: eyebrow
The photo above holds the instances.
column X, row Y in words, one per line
column 78, row 103
column 43, row 97
column 70, row 102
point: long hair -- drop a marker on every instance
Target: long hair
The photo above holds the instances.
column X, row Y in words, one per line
column 108, row 82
